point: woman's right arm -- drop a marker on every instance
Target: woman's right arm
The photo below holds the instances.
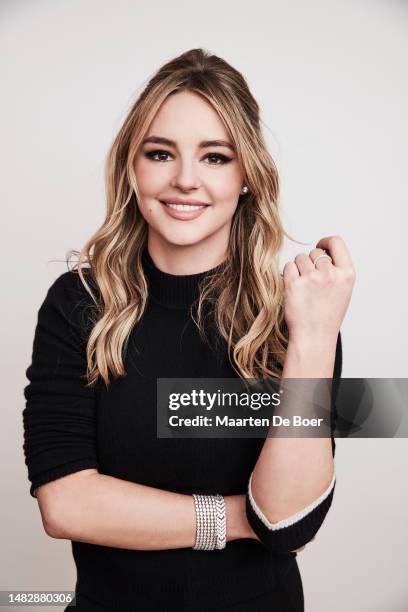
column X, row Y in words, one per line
column 76, row 501
column 98, row 509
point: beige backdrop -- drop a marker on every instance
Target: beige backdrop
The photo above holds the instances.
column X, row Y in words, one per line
column 331, row 81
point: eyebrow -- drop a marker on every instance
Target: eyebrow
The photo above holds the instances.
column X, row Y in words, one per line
column 204, row 144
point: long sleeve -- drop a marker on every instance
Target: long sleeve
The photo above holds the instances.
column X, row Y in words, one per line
column 59, row 416
column 295, row 531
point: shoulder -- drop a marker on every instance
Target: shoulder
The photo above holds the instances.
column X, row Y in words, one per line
column 69, row 284
column 68, row 301
column 68, row 288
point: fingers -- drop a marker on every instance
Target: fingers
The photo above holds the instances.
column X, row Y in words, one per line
column 337, row 249
column 290, row 272
column 324, row 262
column 333, row 246
column 304, row 264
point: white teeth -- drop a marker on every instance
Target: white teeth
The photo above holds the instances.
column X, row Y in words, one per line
column 183, row 206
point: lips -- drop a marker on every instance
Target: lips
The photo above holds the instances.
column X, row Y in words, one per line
column 169, row 203
column 186, row 202
column 184, row 215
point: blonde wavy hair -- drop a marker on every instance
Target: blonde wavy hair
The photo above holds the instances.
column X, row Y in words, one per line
column 246, row 293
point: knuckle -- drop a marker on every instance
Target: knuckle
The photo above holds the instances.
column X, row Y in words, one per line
column 300, row 256
column 296, row 282
column 316, row 277
column 287, row 266
column 349, row 275
column 333, row 240
column 316, row 251
column 331, row 275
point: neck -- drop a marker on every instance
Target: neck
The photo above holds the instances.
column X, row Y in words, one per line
column 172, row 290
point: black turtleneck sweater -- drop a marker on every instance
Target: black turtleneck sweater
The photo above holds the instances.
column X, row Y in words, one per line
column 68, row 427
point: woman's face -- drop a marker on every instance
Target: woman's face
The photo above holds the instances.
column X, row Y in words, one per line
column 176, row 163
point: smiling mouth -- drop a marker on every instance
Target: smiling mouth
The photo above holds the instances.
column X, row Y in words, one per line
column 184, row 207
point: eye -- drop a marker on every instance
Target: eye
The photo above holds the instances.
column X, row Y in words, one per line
column 222, row 159
column 152, row 155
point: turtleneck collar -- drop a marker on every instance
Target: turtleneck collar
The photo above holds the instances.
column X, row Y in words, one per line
column 171, row 290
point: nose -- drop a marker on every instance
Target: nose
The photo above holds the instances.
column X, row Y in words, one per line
column 186, row 176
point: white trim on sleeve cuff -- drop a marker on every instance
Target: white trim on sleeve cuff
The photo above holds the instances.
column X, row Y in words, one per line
column 291, row 519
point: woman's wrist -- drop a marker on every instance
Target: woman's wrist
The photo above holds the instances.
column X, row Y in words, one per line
column 310, row 358
column 237, row 522
column 306, row 341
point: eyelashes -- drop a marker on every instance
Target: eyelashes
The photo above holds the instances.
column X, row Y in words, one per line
column 222, row 159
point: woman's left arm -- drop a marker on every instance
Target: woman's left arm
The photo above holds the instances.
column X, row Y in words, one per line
column 292, row 484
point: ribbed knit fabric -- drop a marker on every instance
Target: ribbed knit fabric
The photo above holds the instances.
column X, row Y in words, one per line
column 293, row 536
column 68, row 427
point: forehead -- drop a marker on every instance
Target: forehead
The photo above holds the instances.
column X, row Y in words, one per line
column 189, row 117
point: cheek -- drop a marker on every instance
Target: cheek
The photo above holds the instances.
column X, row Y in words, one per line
column 226, row 184
column 147, row 178
column 226, row 193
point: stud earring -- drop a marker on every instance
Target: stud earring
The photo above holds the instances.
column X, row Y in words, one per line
column 244, row 190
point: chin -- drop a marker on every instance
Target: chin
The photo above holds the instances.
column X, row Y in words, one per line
column 186, row 242
column 184, row 237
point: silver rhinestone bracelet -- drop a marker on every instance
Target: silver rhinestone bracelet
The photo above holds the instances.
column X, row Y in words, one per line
column 211, row 522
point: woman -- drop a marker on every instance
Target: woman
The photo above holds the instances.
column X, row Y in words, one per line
column 182, row 280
